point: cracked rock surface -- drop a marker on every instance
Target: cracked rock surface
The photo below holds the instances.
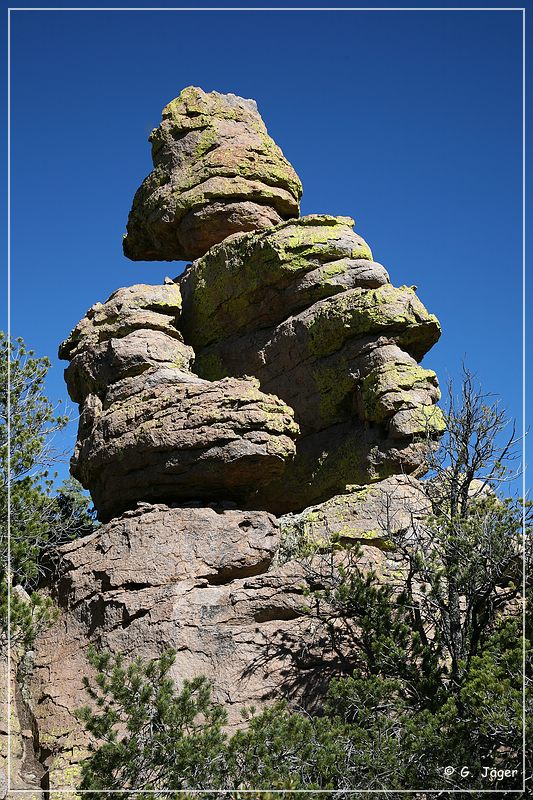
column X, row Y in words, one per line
column 210, row 583
column 149, row 428
column 194, row 579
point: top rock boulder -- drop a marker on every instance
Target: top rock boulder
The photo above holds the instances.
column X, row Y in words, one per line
column 216, row 172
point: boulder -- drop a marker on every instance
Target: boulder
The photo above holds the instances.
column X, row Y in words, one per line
column 188, row 440
column 255, row 280
column 131, row 308
column 216, row 172
column 133, row 332
column 149, row 428
column 305, row 309
column 369, row 515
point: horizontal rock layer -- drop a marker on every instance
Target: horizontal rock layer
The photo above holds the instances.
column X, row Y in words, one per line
column 188, row 440
column 303, row 308
column 216, row 172
column 151, row 430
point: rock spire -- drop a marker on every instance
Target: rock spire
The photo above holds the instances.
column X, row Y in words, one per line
column 216, row 172
column 271, row 394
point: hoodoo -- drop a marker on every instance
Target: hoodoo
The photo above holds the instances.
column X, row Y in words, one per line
column 275, row 382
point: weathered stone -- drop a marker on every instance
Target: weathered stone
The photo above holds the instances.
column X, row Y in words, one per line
column 346, row 364
column 403, row 395
column 185, row 440
column 20, row 768
column 151, row 430
column 322, row 330
column 216, row 172
column 96, row 368
column 216, row 586
column 370, row 515
column 420, row 422
column 299, row 335
column 194, row 579
column 312, row 354
column 134, row 331
column 330, row 460
column 255, row 280
column 131, row 308
column 157, row 545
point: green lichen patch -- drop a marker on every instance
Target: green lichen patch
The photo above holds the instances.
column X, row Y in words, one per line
column 393, row 386
column 423, row 421
column 242, row 280
column 335, row 386
column 210, row 367
column 360, row 312
column 336, row 523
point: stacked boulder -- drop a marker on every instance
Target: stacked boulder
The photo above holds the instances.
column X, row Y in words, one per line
column 216, row 172
column 149, row 428
column 293, row 306
column 305, row 309
column 273, row 388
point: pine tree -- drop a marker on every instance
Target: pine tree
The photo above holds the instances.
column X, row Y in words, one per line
column 40, row 517
column 429, row 693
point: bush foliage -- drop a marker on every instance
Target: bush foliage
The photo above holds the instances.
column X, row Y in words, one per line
column 40, row 516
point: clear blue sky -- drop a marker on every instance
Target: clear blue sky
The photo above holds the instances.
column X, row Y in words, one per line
column 408, row 121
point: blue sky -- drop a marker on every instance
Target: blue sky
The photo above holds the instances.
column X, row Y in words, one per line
column 408, row 121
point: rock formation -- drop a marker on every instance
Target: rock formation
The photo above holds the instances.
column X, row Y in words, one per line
column 216, row 172
column 149, row 428
column 278, row 376
column 305, row 309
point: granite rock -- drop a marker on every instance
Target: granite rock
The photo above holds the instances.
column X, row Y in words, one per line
column 226, row 589
column 199, row 580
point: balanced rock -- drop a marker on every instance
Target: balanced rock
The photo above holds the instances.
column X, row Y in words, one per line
column 216, row 172
column 149, row 428
column 305, row 309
